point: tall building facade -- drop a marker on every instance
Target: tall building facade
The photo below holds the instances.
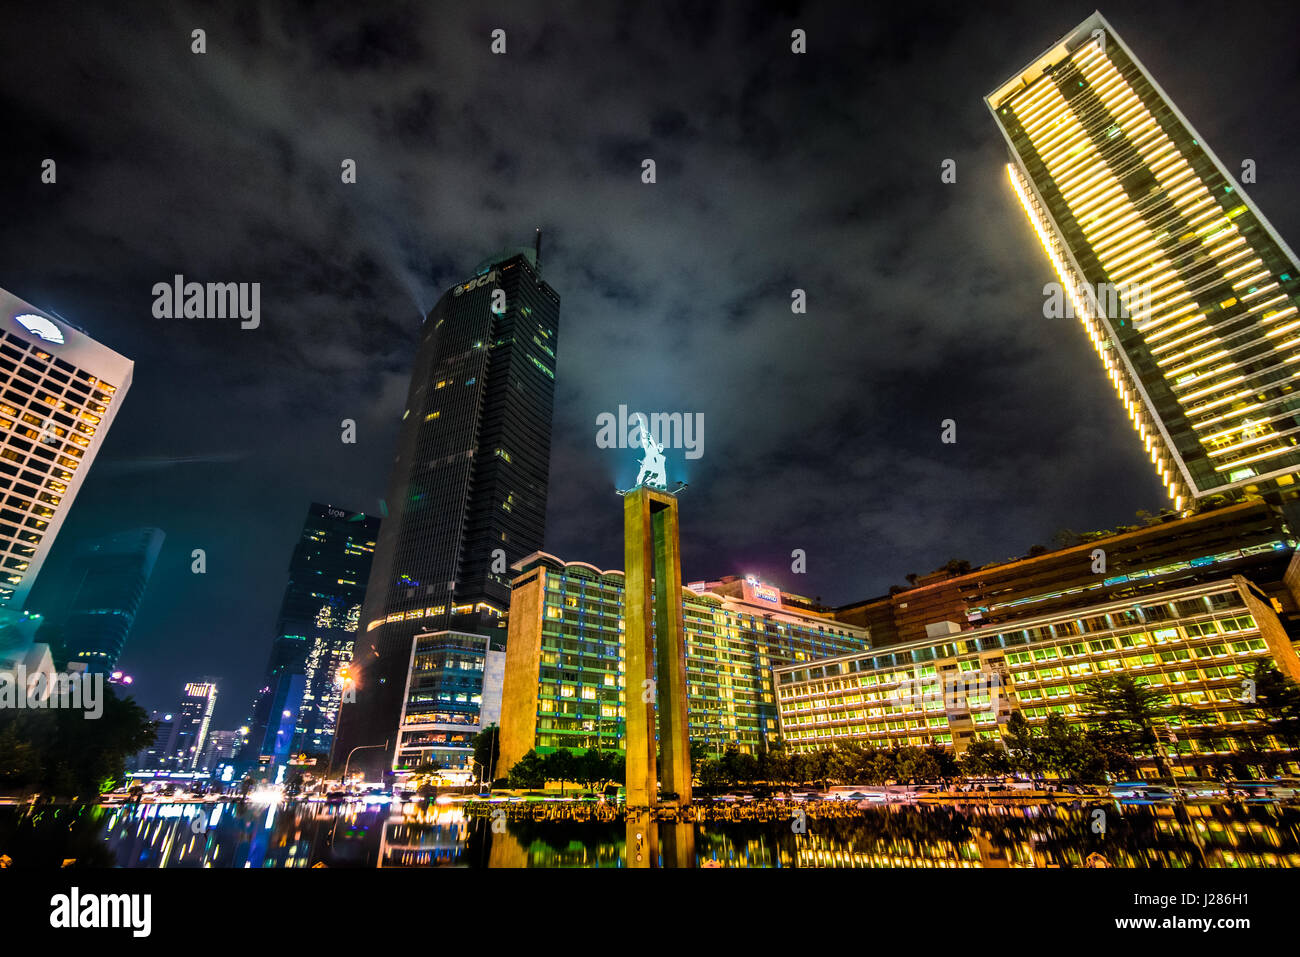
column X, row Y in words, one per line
column 154, row 757
column 59, row 393
column 296, row 710
column 1186, row 292
column 190, row 723
column 565, row 668
column 105, row 587
column 467, row 494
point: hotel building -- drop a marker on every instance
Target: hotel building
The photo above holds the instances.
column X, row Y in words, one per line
column 565, row 658
column 59, row 393
column 1195, row 644
column 1250, row 539
column 1202, row 342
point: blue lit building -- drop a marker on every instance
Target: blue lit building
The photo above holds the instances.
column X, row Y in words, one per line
column 297, row 707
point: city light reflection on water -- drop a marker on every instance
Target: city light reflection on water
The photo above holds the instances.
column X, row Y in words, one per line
column 415, row 835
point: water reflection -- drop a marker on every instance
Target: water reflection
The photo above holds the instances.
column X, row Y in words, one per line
column 419, row 835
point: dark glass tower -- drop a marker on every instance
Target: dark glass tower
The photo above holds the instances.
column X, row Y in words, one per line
column 467, row 495
column 297, row 708
column 107, row 583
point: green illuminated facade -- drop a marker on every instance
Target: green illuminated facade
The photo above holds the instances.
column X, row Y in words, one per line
column 565, row 665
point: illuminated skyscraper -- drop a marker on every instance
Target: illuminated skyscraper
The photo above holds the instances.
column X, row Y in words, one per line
column 467, row 493
column 297, row 708
column 1202, row 342
column 59, row 392
column 189, row 732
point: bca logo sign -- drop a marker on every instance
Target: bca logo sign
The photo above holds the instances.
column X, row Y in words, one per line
column 474, row 283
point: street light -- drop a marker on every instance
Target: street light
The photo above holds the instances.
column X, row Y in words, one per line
column 360, row 747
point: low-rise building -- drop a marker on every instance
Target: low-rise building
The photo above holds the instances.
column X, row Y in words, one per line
column 453, row 692
column 1197, row 645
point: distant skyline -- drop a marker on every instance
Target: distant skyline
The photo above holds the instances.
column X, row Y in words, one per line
column 775, row 171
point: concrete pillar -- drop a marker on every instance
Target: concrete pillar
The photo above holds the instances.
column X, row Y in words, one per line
column 653, row 624
column 638, row 569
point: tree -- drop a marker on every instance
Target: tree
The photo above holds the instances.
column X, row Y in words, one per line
column 1126, row 712
column 1065, row 538
column 62, row 751
column 812, row 766
column 984, row 759
column 740, row 767
column 1019, row 739
column 845, row 764
column 618, row 767
column 699, row 751
column 945, row 760
column 916, row 765
column 487, row 750
column 880, row 768
column 529, row 771
column 1071, row 753
column 1277, row 703
column 562, row 766
column 775, row 765
column 594, row 767
column 712, row 774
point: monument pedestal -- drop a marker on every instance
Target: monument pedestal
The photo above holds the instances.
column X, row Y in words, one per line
column 655, row 650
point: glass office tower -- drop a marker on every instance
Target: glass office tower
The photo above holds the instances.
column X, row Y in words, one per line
column 1187, row 293
column 296, row 710
column 106, row 586
column 467, row 494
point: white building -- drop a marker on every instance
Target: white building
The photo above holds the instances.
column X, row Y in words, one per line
column 59, row 392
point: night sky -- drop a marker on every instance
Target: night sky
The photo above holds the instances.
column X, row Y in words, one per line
column 775, row 171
